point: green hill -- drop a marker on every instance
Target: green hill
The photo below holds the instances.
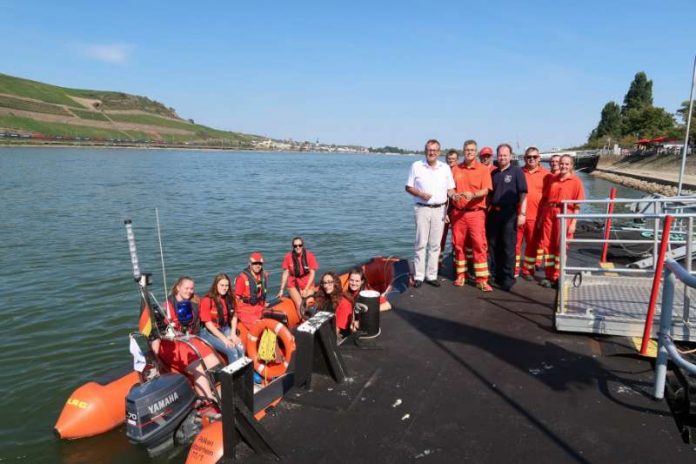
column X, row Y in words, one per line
column 30, row 109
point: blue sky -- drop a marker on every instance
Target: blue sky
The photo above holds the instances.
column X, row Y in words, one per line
column 372, row 73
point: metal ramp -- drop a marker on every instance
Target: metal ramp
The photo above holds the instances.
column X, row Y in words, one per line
column 617, row 305
column 592, row 299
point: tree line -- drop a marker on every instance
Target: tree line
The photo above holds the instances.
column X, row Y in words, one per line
column 638, row 119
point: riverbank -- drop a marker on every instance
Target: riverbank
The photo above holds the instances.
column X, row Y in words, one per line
column 652, row 174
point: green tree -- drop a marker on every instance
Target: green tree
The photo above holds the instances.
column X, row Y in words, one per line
column 639, row 94
column 647, row 122
column 683, row 111
column 610, row 122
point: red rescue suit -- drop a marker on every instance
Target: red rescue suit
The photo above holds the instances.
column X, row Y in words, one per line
column 469, row 219
column 570, row 188
column 533, row 254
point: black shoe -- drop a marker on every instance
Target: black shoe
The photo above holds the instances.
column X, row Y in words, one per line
column 434, row 282
column 417, row 283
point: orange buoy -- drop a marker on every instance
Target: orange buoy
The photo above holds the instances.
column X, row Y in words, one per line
column 94, row 408
column 271, row 369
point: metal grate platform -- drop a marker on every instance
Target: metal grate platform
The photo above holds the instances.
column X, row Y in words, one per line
column 617, row 305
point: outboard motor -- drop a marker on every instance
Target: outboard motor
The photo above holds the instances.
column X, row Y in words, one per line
column 156, row 409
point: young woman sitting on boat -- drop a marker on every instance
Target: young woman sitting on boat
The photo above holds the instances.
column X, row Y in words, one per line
column 328, row 297
column 219, row 319
column 345, row 322
column 564, row 186
column 182, row 315
column 299, row 268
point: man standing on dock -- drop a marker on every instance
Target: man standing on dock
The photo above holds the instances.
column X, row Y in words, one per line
column 473, row 182
column 535, row 175
column 430, row 183
column 508, row 211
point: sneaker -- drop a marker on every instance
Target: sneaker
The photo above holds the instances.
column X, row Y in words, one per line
column 461, row 280
column 433, row 282
column 417, row 283
column 484, row 287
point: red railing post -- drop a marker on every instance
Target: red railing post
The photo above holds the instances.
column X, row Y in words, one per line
column 656, row 285
column 607, row 225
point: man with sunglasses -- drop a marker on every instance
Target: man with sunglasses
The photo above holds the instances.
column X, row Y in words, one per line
column 250, row 289
column 536, row 177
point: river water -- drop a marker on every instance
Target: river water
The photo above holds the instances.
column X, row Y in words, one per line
column 65, row 281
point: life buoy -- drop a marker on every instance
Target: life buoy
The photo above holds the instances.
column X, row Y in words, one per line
column 271, row 369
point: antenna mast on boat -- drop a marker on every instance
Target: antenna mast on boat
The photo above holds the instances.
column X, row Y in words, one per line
column 688, row 128
column 159, row 237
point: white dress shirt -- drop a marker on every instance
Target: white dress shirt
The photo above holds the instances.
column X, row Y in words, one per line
column 433, row 180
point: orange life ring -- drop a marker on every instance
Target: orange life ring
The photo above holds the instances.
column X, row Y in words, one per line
column 287, row 340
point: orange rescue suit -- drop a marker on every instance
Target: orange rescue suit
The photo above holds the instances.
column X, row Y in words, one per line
column 469, row 218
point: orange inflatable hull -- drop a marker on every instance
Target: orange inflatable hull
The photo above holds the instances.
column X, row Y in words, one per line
column 93, row 408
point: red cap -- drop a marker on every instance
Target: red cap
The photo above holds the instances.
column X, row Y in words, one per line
column 256, row 257
column 486, row 151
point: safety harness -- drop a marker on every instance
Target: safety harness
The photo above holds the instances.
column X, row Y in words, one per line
column 257, row 292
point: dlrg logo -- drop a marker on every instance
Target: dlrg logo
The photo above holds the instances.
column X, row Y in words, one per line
column 78, row 403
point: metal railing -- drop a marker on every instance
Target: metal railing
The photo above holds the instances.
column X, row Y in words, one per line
column 666, row 348
column 660, row 206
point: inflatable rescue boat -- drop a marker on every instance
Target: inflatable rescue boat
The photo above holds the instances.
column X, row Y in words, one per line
column 160, row 407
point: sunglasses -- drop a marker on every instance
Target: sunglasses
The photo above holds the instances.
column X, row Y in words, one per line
column 531, row 157
column 296, row 245
column 256, row 263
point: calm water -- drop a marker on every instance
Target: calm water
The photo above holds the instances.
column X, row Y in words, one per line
column 65, row 279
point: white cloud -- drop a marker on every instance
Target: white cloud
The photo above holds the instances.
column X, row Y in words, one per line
column 109, row 53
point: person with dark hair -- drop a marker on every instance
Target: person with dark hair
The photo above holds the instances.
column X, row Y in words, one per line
column 564, row 186
column 219, row 319
column 328, row 297
column 181, row 314
column 507, row 212
column 452, row 159
column 299, row 267
column 250, row 289
column 430, row 183
column 345, row 322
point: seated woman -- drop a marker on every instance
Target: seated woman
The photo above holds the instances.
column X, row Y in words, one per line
column 328, row 297
column 345, row 322
column 299, row 267
column 219, row 319
column 182, row 315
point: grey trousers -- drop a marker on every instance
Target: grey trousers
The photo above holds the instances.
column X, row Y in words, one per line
column 430, row 223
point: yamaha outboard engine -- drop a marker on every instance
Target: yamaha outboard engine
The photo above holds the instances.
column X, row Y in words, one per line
column 155, row 410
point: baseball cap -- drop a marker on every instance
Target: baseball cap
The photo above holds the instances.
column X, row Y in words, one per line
column 256, row 257
column 486, row 151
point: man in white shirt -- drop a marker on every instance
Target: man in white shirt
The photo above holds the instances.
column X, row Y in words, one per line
column 431, row 184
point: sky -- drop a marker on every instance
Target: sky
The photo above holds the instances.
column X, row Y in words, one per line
column 372, row 73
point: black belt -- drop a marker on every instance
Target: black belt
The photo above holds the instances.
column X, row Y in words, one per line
column 430, row 206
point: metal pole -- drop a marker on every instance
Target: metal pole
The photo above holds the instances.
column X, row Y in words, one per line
column 665, row 327
column 647, row 330
column 688, row 128
column 562, row 250
column 607, row 225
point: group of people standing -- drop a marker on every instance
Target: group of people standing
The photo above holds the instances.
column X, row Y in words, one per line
column 491, row 209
